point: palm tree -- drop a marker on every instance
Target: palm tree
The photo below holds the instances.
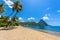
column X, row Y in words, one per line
column 17, row 7
column 2, row 11
column 2, row 8
column 15, row 18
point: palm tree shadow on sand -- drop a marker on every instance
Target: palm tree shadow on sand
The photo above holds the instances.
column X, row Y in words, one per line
column 8, row 28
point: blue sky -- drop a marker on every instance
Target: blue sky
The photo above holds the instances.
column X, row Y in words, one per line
column 37, row 9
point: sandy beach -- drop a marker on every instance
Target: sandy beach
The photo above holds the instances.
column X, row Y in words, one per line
column 21, row 33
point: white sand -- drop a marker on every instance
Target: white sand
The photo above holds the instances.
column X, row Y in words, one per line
column 21, row 33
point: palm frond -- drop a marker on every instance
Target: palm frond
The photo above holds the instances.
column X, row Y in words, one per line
column 2, row 8
column 17, row 6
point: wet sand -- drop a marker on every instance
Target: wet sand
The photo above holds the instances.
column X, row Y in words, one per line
column 21, row 33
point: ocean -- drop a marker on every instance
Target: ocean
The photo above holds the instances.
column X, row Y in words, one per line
column 55, row 30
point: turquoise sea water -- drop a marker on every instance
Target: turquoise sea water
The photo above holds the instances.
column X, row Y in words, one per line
column 48, row 28
column 54, row 30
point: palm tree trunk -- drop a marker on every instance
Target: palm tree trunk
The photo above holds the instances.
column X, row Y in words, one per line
column 14, row 15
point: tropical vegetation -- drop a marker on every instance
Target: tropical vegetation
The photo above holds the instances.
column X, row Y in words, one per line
column 17, row 7
column 40, row 23
column 4, row 20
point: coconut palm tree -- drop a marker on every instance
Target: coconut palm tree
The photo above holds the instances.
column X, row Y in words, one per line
column 2, row 11
column 2, row 8
column 14, row 21
column 15, row 18
column 17, row 7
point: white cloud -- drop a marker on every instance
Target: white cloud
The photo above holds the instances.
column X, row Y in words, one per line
column 0, row 16
column 31, row 18
column 45, row 17
column 9, row 3
column 9, row 18
column 47, row 8
column 58, row 11
column 20, row 19
column 49, row 14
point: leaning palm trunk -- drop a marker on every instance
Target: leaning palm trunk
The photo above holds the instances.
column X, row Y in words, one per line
column 16, row 7
column 14, row 17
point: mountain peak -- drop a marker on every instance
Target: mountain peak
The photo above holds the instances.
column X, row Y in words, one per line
column 43, row 23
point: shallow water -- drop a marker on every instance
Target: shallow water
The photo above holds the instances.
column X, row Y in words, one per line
column 51, row 28
column 55, row 30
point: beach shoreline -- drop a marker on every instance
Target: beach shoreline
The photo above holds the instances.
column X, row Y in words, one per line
column 21, row 33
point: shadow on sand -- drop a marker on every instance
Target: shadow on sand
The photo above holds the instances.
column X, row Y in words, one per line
column 8, row 28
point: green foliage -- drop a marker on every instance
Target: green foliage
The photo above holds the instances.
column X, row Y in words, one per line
column 41, row 23
column 17, row 6
column 2, row 8
column 14, row 24
column 4, row 21
column 3, row 25
column 28, row 23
